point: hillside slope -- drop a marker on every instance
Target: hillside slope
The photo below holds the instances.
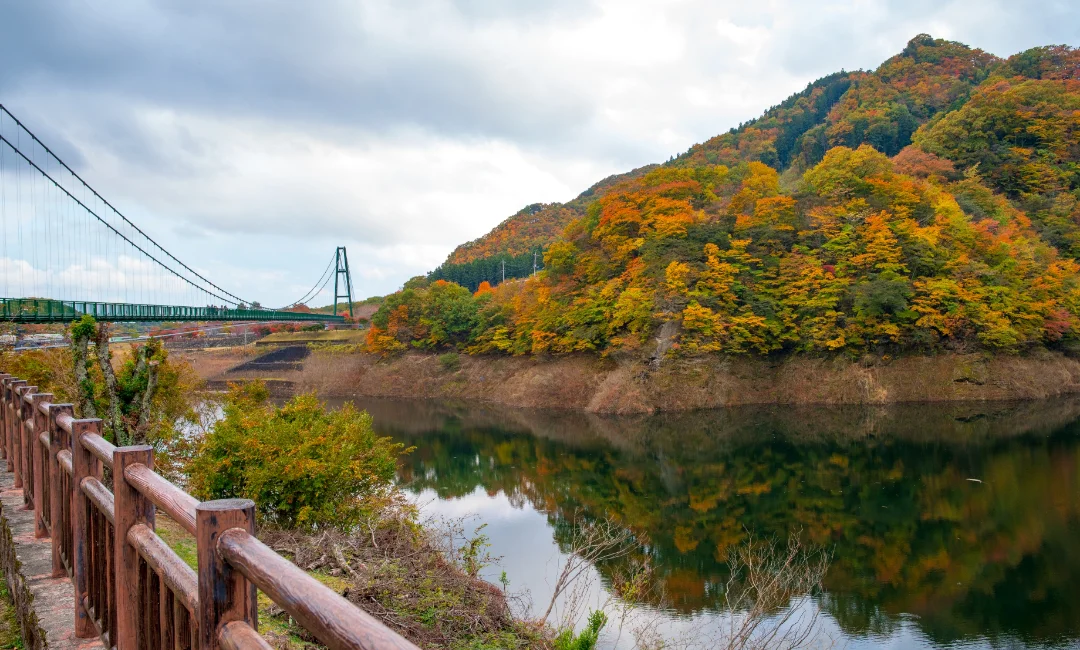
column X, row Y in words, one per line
column 930, row 204
column 534, row 226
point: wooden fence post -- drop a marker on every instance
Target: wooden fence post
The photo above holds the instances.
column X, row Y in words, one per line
column 36, row 458
column 131, row 508
column 17, row 434
column 26, row 455
column 11, row 416
column 224, row 594
column 4, row 377
column 4, row 413
column 82, row 464
column 6, row 391
column 56, row 499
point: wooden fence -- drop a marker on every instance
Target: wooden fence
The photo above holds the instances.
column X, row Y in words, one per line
column 131, row 589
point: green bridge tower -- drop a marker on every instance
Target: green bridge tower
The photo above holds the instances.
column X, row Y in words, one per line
column 339, row 284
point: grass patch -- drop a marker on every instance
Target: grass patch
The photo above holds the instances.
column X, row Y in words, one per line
column 450, row 361
column 400, row 574
column 273, row 624
column 10, row 636
column 178, row 539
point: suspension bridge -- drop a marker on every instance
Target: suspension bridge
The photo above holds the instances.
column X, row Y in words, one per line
column 66, row 252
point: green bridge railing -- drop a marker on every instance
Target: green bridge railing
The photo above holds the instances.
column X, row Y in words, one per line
column 44, row 310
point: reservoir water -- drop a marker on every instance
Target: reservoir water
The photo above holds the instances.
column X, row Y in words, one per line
column 954, row 525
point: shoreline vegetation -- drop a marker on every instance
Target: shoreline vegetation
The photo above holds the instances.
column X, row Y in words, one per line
column 904, row 234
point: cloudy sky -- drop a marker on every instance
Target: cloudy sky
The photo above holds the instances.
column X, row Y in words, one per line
column 254, row 137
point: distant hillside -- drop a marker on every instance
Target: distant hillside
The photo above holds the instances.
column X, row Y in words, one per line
column 534, row 226
column 515, row 247
column 882, row 108
column 931, row 204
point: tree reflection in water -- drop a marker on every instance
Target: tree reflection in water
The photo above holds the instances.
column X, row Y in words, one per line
column 888, row 489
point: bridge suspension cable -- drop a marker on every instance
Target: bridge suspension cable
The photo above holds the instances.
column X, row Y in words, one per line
column 320, row 284
column 235, row 299
column 108, row 225
column 74, row 252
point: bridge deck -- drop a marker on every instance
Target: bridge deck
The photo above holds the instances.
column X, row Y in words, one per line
column 44, row 310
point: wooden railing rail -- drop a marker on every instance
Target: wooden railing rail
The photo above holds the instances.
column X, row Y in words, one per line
column 175, row 502
column 238, row 635
column 11, row 423
column 61, row 488
column 335, row 621
column 133, row 591
column 27, row 481
column 99, row 447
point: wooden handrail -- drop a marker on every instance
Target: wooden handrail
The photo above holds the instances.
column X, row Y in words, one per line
column 334, row 621
column 179, row 576
column 238, row 635
column 100, row 496
column 175, row 502
column 101, row 448
column 124, row 575
column 35, row 457
column 64, row 458
column 64, row 421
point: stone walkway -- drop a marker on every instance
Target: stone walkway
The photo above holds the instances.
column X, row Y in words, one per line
column 45, row 606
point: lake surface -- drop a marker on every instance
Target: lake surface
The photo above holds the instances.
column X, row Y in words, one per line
column 951, row 525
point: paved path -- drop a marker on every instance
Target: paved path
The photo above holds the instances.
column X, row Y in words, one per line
column 45, row 605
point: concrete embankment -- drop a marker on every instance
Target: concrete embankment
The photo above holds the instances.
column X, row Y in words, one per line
column 598, row 385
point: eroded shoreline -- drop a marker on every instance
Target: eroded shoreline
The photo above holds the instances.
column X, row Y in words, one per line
column 607, row 386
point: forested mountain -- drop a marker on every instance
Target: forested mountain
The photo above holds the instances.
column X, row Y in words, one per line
column 932, row 203
column 882, row 108
column 534, row 226
column 515, row 248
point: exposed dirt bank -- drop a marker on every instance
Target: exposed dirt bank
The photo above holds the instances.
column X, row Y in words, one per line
column 606, row 386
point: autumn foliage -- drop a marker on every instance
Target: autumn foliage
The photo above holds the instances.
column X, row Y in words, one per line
column 933, row 204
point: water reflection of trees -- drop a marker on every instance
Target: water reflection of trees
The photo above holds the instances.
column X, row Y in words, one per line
column 887, row 488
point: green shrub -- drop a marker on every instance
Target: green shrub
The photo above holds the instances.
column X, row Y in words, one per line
column 450, row 361
column 588, row 637
column 307, row 468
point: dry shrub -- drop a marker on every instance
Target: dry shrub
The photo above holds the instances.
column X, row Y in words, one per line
column 588, row 543
column 397, row 571
column 767, row 581
column 764, row 598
